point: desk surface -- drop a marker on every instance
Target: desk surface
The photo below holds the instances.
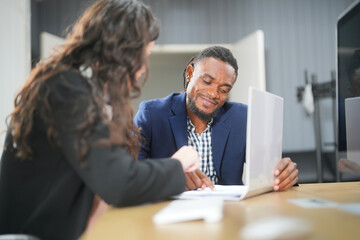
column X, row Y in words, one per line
column 328, row 223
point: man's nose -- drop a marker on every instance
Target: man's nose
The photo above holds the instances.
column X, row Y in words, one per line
column 213, row 92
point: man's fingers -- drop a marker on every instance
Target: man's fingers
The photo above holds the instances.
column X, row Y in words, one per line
column 286, row 176
column 284, row 162
column 195, row 179
column 344, row 168
column 204, row 179
column 287, row 182
column 189, row 183
column 200, row 173
column 352, row 165
column 289, row 185
column 208, row 183
column 286, row 172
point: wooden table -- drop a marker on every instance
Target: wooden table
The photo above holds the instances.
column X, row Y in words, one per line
column 327, row 223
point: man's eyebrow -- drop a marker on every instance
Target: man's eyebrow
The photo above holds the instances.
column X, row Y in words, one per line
column 209, row 75
column 227, row 85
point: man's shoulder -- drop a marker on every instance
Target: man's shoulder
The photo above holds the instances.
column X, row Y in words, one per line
column 159, row 110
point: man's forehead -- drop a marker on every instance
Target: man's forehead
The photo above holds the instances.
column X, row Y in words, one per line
column 212, row 66
column 206, row 62
column 210, row 60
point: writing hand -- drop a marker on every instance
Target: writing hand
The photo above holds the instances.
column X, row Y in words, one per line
column 197, row 179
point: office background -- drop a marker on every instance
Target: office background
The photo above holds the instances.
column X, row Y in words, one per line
column 299, row 35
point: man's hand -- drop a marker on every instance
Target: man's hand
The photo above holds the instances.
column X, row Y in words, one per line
column 286, row 174
column 345, row 165
column 197, row 179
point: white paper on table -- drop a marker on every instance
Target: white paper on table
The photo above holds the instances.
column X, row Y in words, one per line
column 231, row 192
column 353, row 208
column 312, row 202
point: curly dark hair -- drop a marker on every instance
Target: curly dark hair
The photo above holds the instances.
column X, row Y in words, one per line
column 110, row 38
column 217, row 52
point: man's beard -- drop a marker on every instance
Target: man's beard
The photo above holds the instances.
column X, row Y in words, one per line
column 203, row 116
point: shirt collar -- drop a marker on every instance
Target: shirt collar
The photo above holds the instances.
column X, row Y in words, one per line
column 191, row 126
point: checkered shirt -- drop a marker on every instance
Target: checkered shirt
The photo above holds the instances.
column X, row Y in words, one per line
column 202, row 144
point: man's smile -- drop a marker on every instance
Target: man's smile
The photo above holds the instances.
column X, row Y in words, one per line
column 208, row 102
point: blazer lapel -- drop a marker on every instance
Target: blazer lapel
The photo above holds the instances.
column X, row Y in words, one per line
column 178, row 120
column 219, row 136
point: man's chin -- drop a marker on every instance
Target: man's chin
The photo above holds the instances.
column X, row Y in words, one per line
column 206, row 116
column 203, row 115
column 206, row 113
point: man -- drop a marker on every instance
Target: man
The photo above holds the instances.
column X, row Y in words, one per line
column 201, row 117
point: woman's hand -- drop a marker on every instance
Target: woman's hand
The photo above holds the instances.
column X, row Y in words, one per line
column 188, row 157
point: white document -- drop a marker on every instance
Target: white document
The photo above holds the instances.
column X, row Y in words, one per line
column 312, row 203
column 353, row 208
column 226, row 192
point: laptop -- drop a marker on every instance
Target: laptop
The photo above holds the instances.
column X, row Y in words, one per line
column 263, row 150
column 352, row 118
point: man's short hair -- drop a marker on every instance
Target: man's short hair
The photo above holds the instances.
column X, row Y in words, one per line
column 217, row 52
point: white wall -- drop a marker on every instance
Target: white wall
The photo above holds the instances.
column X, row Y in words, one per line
column 15, row 54
column 250, row 55
column 165, row 75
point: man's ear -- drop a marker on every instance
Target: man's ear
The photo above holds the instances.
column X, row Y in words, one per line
column 189, row 71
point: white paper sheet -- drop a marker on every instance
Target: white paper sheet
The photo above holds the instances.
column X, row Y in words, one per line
column 227, row 192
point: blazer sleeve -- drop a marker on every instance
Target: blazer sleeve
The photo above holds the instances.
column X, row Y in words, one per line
column 109, row 172
column 143, row 121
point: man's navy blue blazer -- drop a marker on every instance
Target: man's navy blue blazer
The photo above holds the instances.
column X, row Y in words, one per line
column 163, row 126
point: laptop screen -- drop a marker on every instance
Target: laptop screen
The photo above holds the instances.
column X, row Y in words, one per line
column 264, row 138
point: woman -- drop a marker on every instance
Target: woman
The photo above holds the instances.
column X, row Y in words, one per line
column 71, row 135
